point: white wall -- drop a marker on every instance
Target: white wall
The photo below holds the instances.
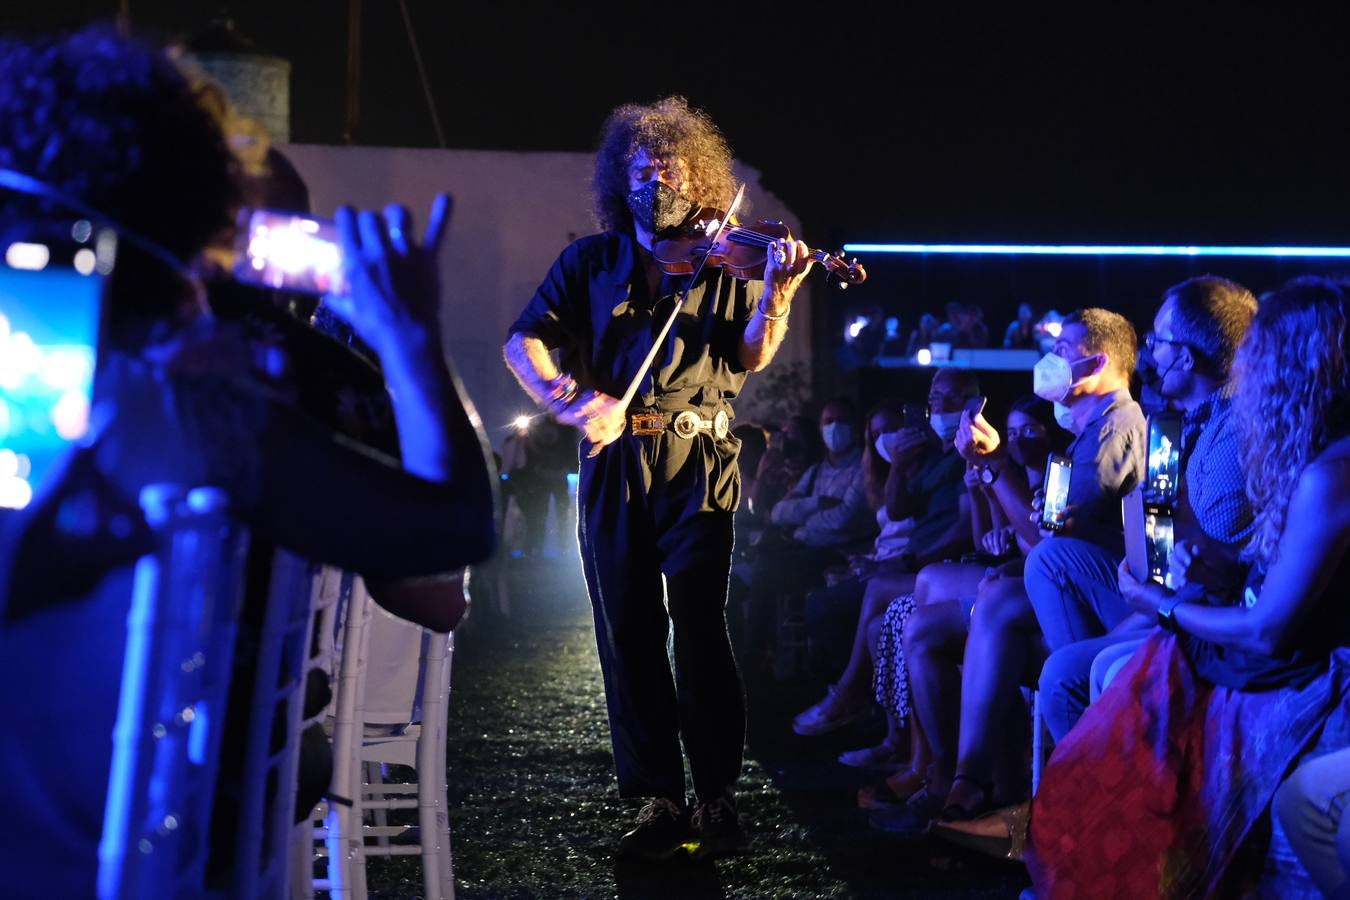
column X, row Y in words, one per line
column 514, row 212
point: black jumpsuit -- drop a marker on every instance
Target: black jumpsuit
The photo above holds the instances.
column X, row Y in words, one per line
column 654, row 505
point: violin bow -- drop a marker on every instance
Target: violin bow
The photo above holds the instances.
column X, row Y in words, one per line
column 628, row 395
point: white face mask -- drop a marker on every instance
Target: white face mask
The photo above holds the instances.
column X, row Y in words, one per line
column 945, row 424
column 884, row 442
column 838, row 436
column 1063, row 416
column 1052, row 378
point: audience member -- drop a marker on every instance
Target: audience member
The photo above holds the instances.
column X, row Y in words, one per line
column 926, row 484
column 817, row 525
column 1021, row 332
column 967, row 689
column 1177, row 762
column 1195, row 337
column 831, row 611
column 113, row 125
column 792, row 449
column 925, row 334
column 1311, row 808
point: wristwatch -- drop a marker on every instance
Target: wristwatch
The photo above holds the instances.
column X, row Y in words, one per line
column 988, row 474
column 1167, row 621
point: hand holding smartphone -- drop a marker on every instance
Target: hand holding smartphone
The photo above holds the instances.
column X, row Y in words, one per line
column 975, row 406
column 1056, row 490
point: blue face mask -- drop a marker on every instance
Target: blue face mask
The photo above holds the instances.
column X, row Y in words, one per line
column 945, row 424
column 838, row 436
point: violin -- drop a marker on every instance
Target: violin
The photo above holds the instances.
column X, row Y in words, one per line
column 742, row 251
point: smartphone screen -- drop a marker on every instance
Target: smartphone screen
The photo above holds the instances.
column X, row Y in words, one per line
column 1158, row 541
column 1057, row 473
column 975, row 406
column 915, row 415
column 51, row 310
column 286, row 251
column 1164, row 459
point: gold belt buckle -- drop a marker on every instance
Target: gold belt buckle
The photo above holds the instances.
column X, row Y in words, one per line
column 647, row 423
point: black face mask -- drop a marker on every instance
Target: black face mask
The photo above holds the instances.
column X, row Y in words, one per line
column 1029, row 452
column 656, row 207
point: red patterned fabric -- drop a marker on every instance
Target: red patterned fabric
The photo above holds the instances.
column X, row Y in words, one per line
column 1163, row 787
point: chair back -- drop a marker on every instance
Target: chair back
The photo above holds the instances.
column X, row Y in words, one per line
column 171, row 707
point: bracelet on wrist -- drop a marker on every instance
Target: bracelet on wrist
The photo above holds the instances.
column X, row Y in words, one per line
column 760, row 308
column 561, row 391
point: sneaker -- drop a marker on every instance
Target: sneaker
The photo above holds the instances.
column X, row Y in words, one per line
column 717, row 828
column 662, row 829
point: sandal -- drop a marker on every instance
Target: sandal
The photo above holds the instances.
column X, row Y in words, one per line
column 954, row 810
column 892, row 792
column 1002, row 834
column 816, row 720
column 912, row 816
column 882, row 758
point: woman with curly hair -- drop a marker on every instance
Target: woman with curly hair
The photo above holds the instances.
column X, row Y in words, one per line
column 1164, row 786
column 656, row 496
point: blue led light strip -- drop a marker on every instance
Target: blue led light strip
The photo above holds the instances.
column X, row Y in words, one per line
column 1095, row 250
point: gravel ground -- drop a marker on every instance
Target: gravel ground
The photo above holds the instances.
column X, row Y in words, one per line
column 534, row 808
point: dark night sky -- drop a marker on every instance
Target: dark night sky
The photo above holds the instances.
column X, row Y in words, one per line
column 906, row 124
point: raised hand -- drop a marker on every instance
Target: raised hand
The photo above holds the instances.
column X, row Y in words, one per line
column 394, row 279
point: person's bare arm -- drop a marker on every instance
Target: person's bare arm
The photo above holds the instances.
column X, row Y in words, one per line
column 767, row 326
column 1312, row 547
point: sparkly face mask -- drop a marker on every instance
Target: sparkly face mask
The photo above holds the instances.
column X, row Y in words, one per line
column 657, row 207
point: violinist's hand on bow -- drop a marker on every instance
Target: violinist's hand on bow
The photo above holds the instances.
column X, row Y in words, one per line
column 786, row 269
column 598, row 415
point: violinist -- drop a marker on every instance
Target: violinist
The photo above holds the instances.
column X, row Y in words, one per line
column 657, row 492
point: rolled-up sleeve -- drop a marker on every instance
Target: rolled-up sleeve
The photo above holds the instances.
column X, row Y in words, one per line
column 551, row 314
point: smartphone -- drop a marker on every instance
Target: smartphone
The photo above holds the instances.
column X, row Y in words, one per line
column 1057, row 472
column 975, row 406
column 51, row 321
column 286, row 251
column 1158, row 541
column 914, row 415
column 1163, row 473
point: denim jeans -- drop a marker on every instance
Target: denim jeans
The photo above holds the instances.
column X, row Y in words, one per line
column 1070, row 678
column 1311, row 806
column 1072, row 587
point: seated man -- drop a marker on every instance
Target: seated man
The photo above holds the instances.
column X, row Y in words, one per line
column 1070, row 578
column 1195, row 336
column 819, row 523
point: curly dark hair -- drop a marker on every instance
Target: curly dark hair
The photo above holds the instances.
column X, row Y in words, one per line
column 111, row 121
column 667, row 127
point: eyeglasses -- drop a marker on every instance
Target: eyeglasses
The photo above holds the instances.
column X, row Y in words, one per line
column 1151, row 341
